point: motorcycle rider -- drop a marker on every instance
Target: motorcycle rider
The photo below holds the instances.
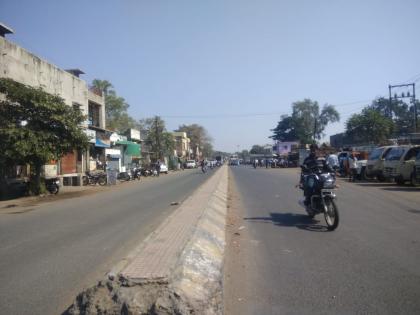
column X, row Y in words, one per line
column 310, row 164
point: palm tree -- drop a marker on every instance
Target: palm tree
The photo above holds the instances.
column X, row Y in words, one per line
column 103, row 85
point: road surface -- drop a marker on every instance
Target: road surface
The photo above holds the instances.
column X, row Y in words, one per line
column 51, row 251
column 281, row 262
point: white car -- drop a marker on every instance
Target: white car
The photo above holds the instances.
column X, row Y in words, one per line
column 190, row 164
column 163, row 168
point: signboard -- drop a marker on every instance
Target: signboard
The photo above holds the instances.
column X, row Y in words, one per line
column 114, row 137
column 135, row 134
column 91, row 134
column 112, row 152
column 50, row 170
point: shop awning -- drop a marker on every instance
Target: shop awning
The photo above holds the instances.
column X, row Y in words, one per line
column 100, row 144
column 132, row 149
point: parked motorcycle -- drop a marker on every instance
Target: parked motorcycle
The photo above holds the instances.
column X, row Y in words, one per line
column 320, row 185
column 136, row 173
column 52, row 185
column 94, row 178
column 124, row 176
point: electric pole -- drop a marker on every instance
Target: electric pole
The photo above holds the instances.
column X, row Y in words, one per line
column 404, row 95
column 157, row 138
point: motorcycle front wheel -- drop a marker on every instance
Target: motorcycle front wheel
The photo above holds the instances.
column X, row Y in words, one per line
column 331, row 214
column 53, row 189
column 85, row 180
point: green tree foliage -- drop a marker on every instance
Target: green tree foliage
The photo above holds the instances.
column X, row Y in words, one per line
column 199, row 138
column 257, row 149
column 381, row 120
column 36, row 127
column 370, row 126
column 285, row 130
column 401, row 113
column 117, row 117
column 307, row 122
column 161, row 142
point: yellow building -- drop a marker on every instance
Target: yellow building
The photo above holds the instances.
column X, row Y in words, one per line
column 182, row 145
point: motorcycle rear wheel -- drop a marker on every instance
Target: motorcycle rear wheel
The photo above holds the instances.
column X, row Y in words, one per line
column 331, row 214
column 85, row 180
column 102, row 181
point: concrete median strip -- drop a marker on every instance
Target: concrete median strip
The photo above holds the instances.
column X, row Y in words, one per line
column 177, row 269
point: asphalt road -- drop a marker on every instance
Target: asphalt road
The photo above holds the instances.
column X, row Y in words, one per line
column 48, row 253
column 288, row 264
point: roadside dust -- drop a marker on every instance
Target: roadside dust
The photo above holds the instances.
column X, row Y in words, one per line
column 20, row 205
column 235, row 280
column 122, row 297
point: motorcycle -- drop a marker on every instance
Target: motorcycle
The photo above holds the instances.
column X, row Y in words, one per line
column 124, row 176
column 136, row 172
column 52, row 185
column 145, row 172
column 94, row 178
column 320, row 185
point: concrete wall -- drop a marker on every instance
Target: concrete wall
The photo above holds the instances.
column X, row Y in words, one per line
column 24, row 67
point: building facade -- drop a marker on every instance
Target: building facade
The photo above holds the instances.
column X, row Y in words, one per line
column 24, row 67
column 182, row 145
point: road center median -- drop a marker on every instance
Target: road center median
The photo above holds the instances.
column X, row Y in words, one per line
column 177, row 269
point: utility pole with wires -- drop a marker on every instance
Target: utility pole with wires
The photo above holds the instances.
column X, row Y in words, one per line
column 404, row 95
column 158, row 155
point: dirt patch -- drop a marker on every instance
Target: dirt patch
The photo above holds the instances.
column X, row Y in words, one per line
column 121, row 297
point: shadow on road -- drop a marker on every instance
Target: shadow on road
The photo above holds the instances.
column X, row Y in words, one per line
column 299, row 221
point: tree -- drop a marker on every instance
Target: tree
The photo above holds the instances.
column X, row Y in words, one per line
column 285, row 130
column 244, row 154
column 401, row 113
column 117, row 117
column 199, row 137
column 307, row 123
column 370, row 126
column 161, row 142
column 36, row 127
column 257, row 149
column 310, row 122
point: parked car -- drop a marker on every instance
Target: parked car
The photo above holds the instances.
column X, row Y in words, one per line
column 190, row 164
column 415, row 177
column 375, row 163
column 400, row 162
column 163, row 168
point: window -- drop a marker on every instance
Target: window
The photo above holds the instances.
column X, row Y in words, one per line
column 376, row 154
column 94, row 115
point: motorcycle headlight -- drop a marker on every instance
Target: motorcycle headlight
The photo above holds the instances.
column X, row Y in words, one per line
column 311, row 182
column 328, row 182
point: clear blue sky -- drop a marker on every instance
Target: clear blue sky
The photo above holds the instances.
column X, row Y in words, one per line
column 215, row 59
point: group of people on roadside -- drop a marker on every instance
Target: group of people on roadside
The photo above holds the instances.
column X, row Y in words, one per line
column 346, row 165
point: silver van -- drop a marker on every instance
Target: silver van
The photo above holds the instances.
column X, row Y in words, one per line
column 400, row 162
column 375, row 163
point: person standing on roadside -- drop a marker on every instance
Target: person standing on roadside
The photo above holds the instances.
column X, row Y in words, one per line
column 352, row 167
column 158, row 167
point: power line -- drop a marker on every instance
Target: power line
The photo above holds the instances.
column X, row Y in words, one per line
column 252, row 114
column 413, row 78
